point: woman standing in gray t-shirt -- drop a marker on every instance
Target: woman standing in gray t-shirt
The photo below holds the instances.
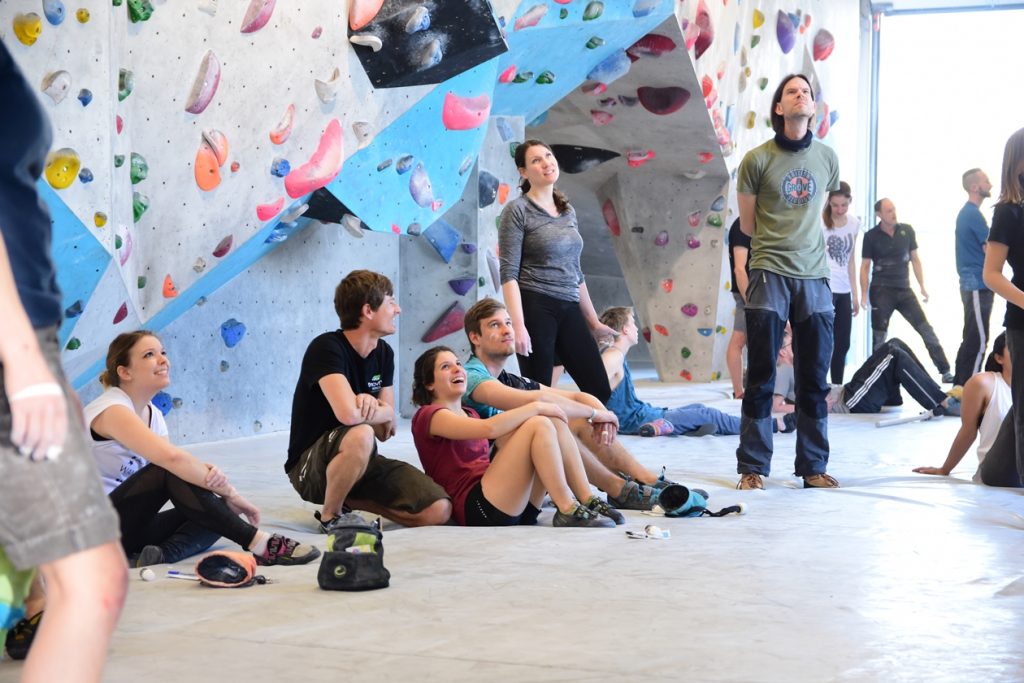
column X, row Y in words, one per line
column 543, row 285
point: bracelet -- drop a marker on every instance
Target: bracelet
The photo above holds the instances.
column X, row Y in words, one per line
column 593, row 414
column 37, row 390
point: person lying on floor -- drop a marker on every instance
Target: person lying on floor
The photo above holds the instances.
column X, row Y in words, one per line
column 876, row 383
column 985, row 402
column 639, row 417
column 529, row 460
column 491, row 389
column 142, row 470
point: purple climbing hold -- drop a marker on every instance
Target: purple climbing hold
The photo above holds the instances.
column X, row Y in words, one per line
column 692, row 242
column 462, row 285
column 232, row 331
column 468, row 247
column 420, row 188
column 444, row 238
column 662, row 239
column 121, row 313
column 786, row 32
column 690, row 310
column 450, row 321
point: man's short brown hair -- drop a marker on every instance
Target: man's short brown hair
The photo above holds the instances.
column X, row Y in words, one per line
column 360, row 287
column 477, row 313
column 616, row 317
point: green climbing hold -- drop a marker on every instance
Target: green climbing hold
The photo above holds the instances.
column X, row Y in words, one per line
column 754, row 40
column 125, row 84
column 139, row 10
column 118, row 160
column 762, row 83
column 715, row 220
column 512, row 147
column 523, row 77
column 141, row 281
column 117, row 242
column 595, row 43
column 117, row 3
column 563, row 13
column 593, row 10
column 482, row 282
column 73, row 344
column 140, row 203
column 685, row 352
column 546, row 78
column 140, row 169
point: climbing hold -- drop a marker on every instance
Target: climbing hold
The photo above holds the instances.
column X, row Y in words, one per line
column 384, row 164
column 418, row 21
column 762, row 83
column 715, row 220
column 690, row 310
column 82, row 15
column 504, row 129
column 218, row 142
column 317, row 32
column 223, row 247
column 694, row 219
column 62, row 166
column 704, row 331
column 614, row 66
column 85, row 175
column 56, row 85
column 207, row 6
column 204, row 87
column 462, row 285
column 74, row 310
column 530, row 17
column 124, row 246
column 685, row 374
column 118, row 123
column 636, row 158
column 508, row 75
column 99, row 219
column 563, row 13
column 595, row 42
column 600, row 118
column 695, row 175
column 826, row 122
column 611, row 219
column 577, row 159
column 73, row 344
column 294, row 213
column 232, row 331
column 707, row 30
column 450, row 321
column 720, row 329
column 503, row 190
column 608, row 102
column 139, row 169
column 206, row 168
column 54, row 11
column 139, row 10
column 593, row 88
column 430, row 55
column 85, row 96
column 367, row 40
column 125, row 84
column 692, row 242
column 404, row 164
column 824, row 43
column 524, row 77
column 364, row 133
column 169, row 290
column 284, row 127
column 443, row 237
column 224, row 366
column 641, row 8
column 420, row 188
column 646, row 332
column 758, row 19
column 327, row 90
column 691, row 32
column 414, row 229
column 141, row 281
column 662, row 239
column 280, row 167
column 593, row 10
column 265, row 212
column 465, row 113
column 235, row 166
column 322, row 167
column 685, row 352
column 546, row 78
column 353, row 225
column 719, row 203
column 140, row 203
column 785, row 31
column 662, row 101
column 121, row 313
column 651, row 45
column 277, row 235
column 468, row 247
column 487, row 188
column 666, row 285
column 638, row 229
column 27, row 27
column 661, row 329
column 362, row 12
column 754, row 40
column 257, row 16
column 705, row 157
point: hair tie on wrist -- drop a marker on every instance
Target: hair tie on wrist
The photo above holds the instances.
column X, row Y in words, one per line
column 37, row 390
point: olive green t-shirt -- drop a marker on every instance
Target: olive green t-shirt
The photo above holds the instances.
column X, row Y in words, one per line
column 791, row 190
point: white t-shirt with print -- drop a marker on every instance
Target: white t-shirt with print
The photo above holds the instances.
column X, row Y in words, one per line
column 117, row 463
column 839, row 244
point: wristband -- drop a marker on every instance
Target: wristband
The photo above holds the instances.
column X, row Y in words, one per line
column 37, row 390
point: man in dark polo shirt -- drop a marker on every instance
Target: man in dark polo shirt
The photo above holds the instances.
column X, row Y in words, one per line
column 888, row 249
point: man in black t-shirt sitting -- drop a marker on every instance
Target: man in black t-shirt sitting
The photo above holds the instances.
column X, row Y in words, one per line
column 343, row 403
column 888, row 249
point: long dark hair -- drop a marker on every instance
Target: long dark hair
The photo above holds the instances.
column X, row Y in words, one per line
column 423, row 374
column 561, row 201
column 998, row 346
column 843, row 191
column 778, row 120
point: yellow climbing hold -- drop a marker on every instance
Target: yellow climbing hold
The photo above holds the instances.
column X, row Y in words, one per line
column 99, row 218
column 28, row 27
column 82, row 15
column 758, row 19
column 62, row 167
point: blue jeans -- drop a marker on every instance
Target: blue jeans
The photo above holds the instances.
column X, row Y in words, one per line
column 772, row 299
column 689, row 418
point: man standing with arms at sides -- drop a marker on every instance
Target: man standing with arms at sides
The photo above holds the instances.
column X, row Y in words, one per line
column 971, row 236
column 343, row 404
column 782, row 185
column 888, row 248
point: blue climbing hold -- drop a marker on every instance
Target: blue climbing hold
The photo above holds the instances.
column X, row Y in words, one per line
column 85, row 96
column 615, row 66
column 384, row 164
column 488, row 188
column 504, row 129
column 280, row 167
column 277, row 235
column 444, row 238
column 54, row 11
column 404, row 164
column 74, row 310
column 718, row 204
column 705, row 331
column 641, row 8
column 163, row 402
column 462, row 285
column 232, row 331
column 85, row 175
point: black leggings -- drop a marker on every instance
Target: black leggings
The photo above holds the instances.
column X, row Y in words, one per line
column 842, row 303
column 139, row 499
column 558, row 326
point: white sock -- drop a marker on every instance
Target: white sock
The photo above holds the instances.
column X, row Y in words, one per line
column 259, row 542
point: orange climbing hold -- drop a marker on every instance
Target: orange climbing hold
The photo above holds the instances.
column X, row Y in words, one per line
column 362, row 12
column 503, row 189
column 170, row 291
column 206, row 167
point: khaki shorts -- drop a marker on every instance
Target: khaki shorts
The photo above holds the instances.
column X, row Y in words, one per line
column 392, row 484
column 54, row 508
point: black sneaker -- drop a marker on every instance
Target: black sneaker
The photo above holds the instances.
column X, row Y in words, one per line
column 582, row 516
column 323, row 525
column 597, row 505
column 19, row 638
column 635, row 496
column 947, row 377
column 151, row 554
column 788, row 423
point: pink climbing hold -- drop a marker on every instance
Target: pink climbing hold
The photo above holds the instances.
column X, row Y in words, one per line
column 707, row 30
column 826, row 122
column 126, row 248
column 694, row 219
column 508, row 75
column 284, row 126
column 690, row 310
column 637, row 158
column 531, row 17
column 267, row 211
column 651, row 45
column 691, row 32
column 322, row 167
column 450, row 321
column 594, row 89
column 121, row 314
column 223, row 247
column 205, row 85
column 824, row 43
column 362, row 12
column 600, row 118
column 465, row 113
column 257, row 16
column 610, row 217
column 119, row 123
column 666, row 285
